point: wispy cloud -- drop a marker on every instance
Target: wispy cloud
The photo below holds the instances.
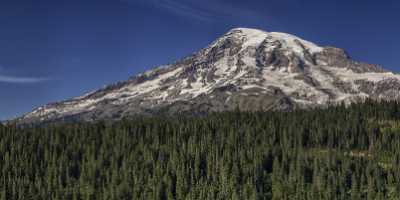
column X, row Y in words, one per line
column 18, row 79
column 186, row 10
column 206, row 11
column 183, row 9
column 22, row 80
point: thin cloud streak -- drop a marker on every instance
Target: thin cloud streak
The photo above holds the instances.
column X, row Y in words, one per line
column 181, row 9
column 189, row 9
column 186, row 10
column 214, row 11
column 21, row 80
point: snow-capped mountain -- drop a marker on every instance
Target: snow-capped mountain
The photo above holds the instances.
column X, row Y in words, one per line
column 247, row 69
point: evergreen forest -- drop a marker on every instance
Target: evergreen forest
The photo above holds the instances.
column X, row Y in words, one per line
column 340, row 152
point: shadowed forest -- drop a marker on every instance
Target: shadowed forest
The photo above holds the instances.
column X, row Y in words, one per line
column 335, row 153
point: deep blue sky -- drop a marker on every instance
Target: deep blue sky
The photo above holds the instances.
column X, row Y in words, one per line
column 51, row 50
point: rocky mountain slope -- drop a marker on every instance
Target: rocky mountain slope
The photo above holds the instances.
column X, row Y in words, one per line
column 247, row 69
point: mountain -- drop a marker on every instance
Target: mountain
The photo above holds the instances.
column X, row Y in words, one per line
column 247, row 69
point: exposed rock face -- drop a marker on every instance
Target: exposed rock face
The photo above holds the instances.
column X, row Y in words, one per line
column 247, row 69
column 332, row 56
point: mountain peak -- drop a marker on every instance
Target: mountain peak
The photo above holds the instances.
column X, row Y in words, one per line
column 246, row 68
column 256, row 37
column 246, row 30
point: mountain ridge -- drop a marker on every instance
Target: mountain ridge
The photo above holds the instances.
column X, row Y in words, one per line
column 245, row 68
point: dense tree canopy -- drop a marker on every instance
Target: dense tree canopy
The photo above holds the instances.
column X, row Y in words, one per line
column 333, row 153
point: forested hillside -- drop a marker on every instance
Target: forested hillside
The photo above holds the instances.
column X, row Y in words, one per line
column 334, row 153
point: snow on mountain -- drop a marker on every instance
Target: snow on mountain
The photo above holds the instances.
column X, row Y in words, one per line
column 245, row 68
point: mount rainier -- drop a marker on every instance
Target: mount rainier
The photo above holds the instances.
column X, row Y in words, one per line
column 247, row 69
